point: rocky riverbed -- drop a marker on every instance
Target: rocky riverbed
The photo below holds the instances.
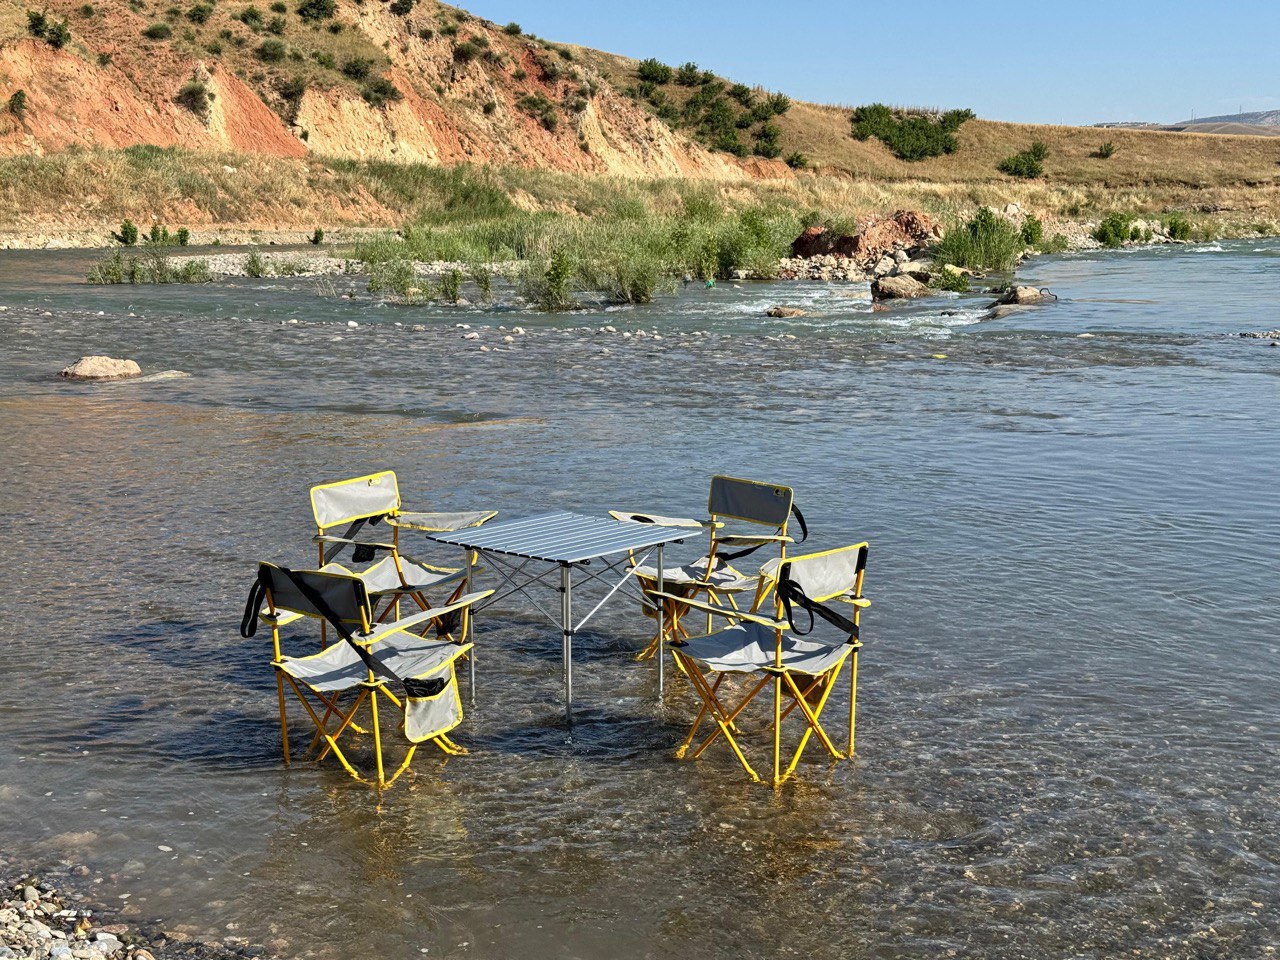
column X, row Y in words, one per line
column 46, row 916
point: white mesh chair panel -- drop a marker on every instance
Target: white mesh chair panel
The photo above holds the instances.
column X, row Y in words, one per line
column 337, row 668
column 724, row 580
column 382, row 577
column 443, row 522
column 831, row 573
column 348, row 500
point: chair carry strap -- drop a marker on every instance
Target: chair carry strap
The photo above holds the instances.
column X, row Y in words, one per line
column 792, row 595
column 362, row 553
column 252, row 607
column 738, row 555
column 322, row 605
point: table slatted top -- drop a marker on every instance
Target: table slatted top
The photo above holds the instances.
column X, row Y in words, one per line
column 562, row 537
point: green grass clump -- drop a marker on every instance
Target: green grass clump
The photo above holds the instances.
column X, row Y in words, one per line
column 158, row 31
column 271, row 51
column 151, row 267
column 255, row 266
column 1026, row 164
column 909, row 136
column 1106, row 151
column 987, row 242
column 952, row 280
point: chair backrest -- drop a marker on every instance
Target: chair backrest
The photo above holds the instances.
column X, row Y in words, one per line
column 345, row 595
column 826, row 574
column 345, row 501
column 749, row 500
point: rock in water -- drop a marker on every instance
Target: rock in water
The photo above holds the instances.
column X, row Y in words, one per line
column 897, row 288
column 101, row 368
column 786, row 312
column 1024, row 296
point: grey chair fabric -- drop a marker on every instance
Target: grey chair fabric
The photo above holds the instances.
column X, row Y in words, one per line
column 724, row 580
column 442, row 522
column 749, row 500
column 381, row 578
column 750, row 647
column 430, row 716
column 824, row 575
column 347, row 598
column 339, row 667
column 352, row 499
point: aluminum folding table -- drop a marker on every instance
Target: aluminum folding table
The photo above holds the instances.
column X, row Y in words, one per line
column 569, row 541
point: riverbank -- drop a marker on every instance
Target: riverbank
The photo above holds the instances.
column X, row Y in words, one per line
column 49, row 915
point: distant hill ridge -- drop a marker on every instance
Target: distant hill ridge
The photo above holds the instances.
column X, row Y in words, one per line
column 1258, row 118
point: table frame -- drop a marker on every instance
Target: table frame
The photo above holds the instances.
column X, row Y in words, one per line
column 511, row 566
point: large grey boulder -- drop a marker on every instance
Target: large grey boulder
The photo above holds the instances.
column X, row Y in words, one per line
column 897, row 288
column 101, row 368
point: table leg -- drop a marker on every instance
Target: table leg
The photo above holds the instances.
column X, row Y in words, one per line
column 566, row 623
column 662, row 626
column 470, row 623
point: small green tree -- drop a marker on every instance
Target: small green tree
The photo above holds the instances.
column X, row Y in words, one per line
column 688, row 75
column 18, row 104
column 1106, row 151
column 652, row 70
column 183, row 236
column 128, row 233
column 313, row 11
column 1032, row 231
column 512, row 29
column 797, row 160
column 317, row 237
column 1115, row 230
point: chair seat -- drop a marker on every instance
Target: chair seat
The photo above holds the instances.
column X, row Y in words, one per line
column 382, row 578
column 339, row 667
column 750, row 647
column 724, row 580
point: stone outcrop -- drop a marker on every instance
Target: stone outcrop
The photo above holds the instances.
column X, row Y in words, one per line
column 878, row 247
column 784, row 312
column 1024, row 296
column 898, row 288
column 101, row 368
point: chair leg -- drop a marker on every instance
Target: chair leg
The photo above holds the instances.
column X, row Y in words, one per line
column 814, row 726
column 730, row 718
column 853, row 699
column 333, row 744
column 724, row 721
column 284, row 722
column 346, row 722
column 377, row 738
column 777, row 730
column 702, row 715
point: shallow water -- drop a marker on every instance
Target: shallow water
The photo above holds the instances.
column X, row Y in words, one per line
column 1068, row 740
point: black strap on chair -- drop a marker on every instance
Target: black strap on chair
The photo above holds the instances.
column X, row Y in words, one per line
column 792, row 595
column 363, row 553
column 725, row 558
column 253, row 606
column 322, row 606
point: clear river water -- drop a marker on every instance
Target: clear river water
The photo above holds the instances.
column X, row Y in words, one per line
column 1068, row 726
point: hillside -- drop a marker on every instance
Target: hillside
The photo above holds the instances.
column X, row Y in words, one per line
column 312, row 95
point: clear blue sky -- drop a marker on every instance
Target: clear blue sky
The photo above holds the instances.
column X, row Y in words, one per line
column 1077, row 63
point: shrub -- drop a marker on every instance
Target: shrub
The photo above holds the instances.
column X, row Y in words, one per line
column 466, row 52
column 254, row 265
column 182, row 237
column 489, row 107
column 18, row 104
column 86, row 10
column 158, row 31
column 317, row 237
column 910, row 137
column 519, row 73
column 402, row 8
column 1115, row 230
column 313, row 11
column 200, row 13
column 195, row 96
column 548, row 283
column 1027, row 164
column 380, row 91
column 451, row 285
column 1106, row 151
column 952, row 280
column 128, row 233
column 512, row 29
column 37, row 24
column 1177, row 226
column 538, row 106
column 797, row 160
column 987, row 242
column 151, row 267
column 279, row 6
column 730, row 143
column 767, row 141
column 688, row 74
column 449, row 30
column 357, row 68
column 652, row 70
column 742, row 93
column 276, row 25
column 270, row 51
column 1032, row 231
column 251, row 17
column 104, row 59
column 778, row 103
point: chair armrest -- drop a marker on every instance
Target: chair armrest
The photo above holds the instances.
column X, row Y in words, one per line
column 283, row 618
column 326, row 538
column 742, row 539
column 441, row 522
column 424, row 616
column 727, row 612
column 634, row 516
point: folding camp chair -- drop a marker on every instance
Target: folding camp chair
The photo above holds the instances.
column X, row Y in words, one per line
column 735, row 507
column 370, row 500
column 370, row 658
column 768, row 646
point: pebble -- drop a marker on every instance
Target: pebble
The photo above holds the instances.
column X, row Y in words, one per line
column 508, row 339
column 471, row 336
column 352, row 324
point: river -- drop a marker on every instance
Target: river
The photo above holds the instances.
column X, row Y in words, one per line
column 1068, row 735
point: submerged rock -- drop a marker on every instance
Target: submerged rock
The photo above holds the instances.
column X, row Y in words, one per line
column 786, row 312
column 898, row 288
column 101, row 368
column 1024, row 296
